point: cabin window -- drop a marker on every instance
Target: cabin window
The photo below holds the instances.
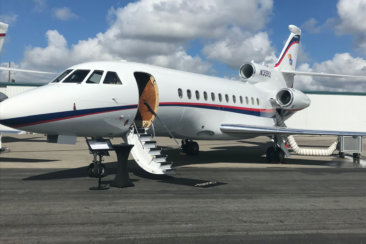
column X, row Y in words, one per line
column 252, row 100
column 241, row 99
column 258, row 101
column 180, row 93
column 205, row 95
column 212, row 96
column 112, row 78
column 234, row 98
column 63, row 75
column 189, row 94
column 77, row 76
column 246, row 100
column 220, row 97
column 95, row 77
column 197, row 95
column 227, row 98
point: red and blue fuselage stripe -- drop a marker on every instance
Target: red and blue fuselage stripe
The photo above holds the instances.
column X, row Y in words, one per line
column 53, row 117
column 234, row 109
column 58, row 116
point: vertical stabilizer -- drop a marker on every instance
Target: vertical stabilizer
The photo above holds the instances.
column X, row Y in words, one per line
column 288, row 57
column 3, row 30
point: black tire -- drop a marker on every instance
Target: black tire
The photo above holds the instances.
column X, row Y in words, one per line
column 194, row 148
column 90, row 170
column 97, row 172
column 270, row 154
column 280, row 156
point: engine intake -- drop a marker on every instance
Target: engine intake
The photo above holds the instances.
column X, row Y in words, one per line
column 292, row 99
column 254, row 73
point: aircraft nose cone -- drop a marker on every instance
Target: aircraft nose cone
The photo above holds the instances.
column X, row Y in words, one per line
column 4, row 114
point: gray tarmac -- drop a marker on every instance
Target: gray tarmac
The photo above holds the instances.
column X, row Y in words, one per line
column 228, row 193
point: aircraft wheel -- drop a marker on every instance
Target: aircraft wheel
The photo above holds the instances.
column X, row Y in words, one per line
column 280, row 156
column 193, row 148
column 97, row 172
column 90, row 170
column 270, row 154
column 190, row 147
column 275, row 155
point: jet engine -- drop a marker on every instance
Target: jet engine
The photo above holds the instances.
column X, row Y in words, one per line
column 292, row 99
column 254, row 73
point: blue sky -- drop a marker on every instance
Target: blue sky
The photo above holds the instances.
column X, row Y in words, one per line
column 212, row 37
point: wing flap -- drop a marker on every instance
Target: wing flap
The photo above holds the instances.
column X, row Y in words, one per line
column 238, row 129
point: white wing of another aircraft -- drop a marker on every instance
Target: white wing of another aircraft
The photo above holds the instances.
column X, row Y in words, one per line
column 3, row 30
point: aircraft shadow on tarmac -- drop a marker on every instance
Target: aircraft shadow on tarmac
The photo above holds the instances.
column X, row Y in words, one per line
column 27, row 160
column 10, row 139
column 255, row 153
column 133, row 168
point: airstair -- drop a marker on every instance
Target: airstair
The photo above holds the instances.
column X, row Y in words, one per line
column 146, row 153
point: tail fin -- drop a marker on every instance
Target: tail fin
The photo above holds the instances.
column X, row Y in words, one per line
column 288, row 57
column 3, row 30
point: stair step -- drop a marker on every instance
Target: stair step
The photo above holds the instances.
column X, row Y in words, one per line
column 145, row 137
column 160, row 160
column 145, row 143
column 166, row 167
column 154, row 151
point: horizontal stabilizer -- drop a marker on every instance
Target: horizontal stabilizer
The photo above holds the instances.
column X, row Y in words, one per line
column 321, row 74
column 239, row 129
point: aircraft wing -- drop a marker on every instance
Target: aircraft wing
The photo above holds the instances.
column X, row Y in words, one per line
column 238, row 129
column 26, row 70
column 322, row 74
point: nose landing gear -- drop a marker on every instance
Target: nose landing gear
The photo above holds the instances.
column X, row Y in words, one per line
column 190, row 147
column 98, row 170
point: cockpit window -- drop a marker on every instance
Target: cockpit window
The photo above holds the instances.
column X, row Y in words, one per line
column 112, row 78
column 77, row 76
column 63, row 75
column 95, row 77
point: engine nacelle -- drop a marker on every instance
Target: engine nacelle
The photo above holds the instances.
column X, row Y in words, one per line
column 254, row 73
column 292, row 99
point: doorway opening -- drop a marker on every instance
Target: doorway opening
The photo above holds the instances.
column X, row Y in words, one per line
column 148, row 99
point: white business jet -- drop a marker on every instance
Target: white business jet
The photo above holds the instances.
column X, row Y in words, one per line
column 4, row 129
column 131, row 100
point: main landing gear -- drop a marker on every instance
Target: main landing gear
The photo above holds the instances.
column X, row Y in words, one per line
column 190, row 147
column 277, row 153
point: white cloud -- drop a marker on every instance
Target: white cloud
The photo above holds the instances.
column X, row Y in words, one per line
column 312, row 25
column 353, row 21
column 182, row 19
column 342, row 63
column 352, row 15
column 64, row 14
column 157, row 32
column 8, row 18
column 238, row 47
column 39, row 5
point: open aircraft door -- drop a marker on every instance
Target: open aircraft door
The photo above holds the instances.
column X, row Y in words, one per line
column 148, row 99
